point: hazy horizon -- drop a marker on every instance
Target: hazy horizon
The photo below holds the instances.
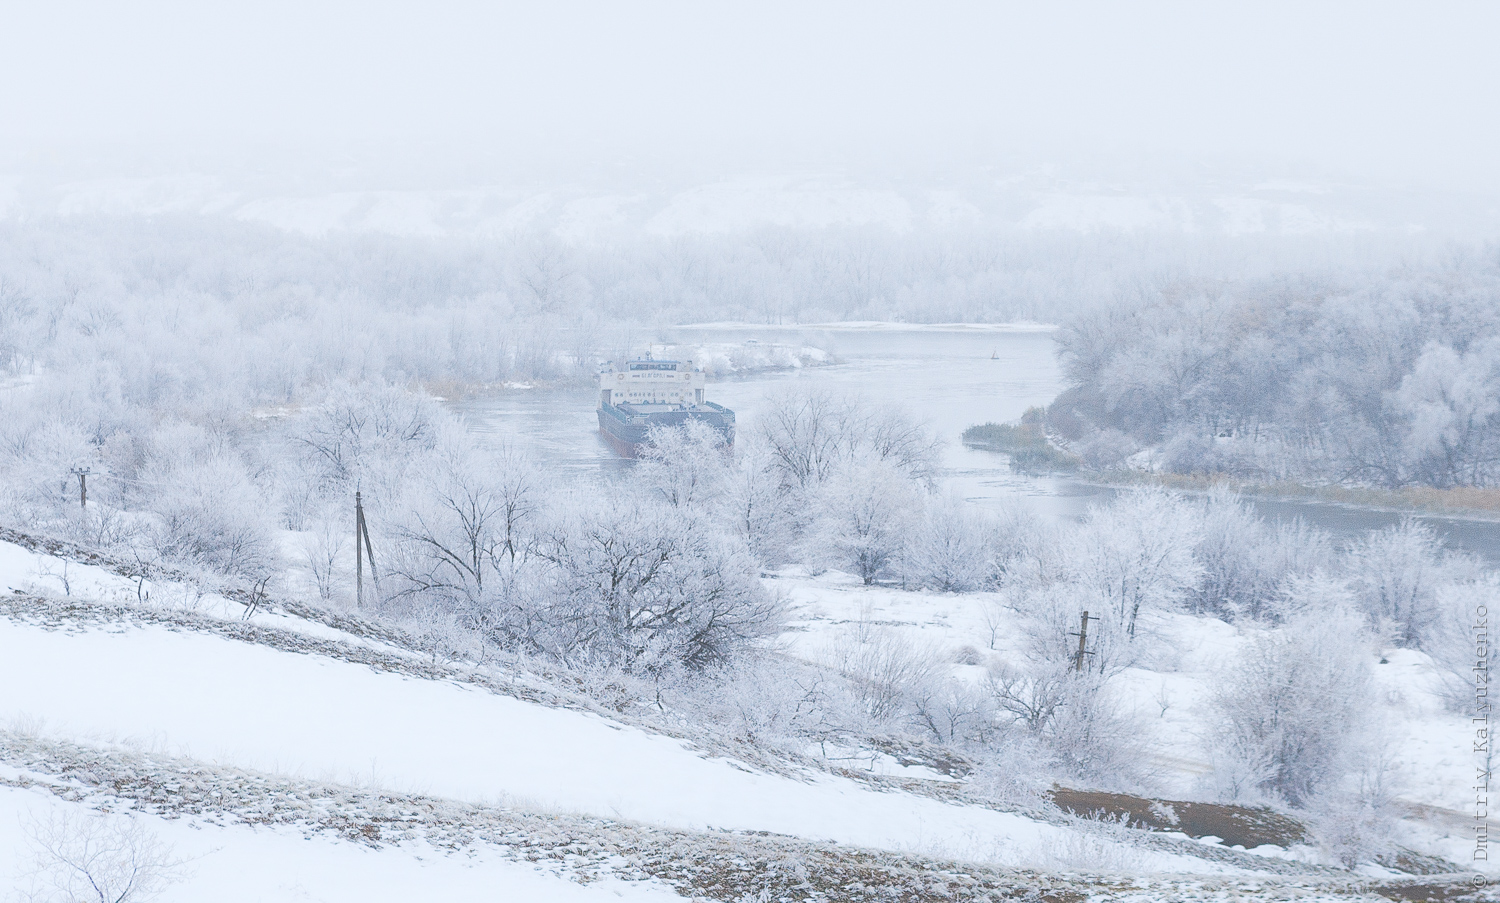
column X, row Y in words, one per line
column 289, row 99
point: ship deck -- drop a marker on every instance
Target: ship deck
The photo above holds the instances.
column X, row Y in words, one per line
column 631, row 408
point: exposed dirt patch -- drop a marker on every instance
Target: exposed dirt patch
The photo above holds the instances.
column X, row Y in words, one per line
column 1456, row 891
column 1415, row 863
column 1235, row 825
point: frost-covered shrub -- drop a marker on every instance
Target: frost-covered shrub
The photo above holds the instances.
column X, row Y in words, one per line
column 953, row 712
column 210, row 515
column 636, row 583
column 1049, row 621
column 1188, row 453
column 1352, row 830
column 767, row 699
column 1095, row 737
column 1074, row 716
column 1246, row 561
column 1013, row 768
column 862, row 517
column 1105, row 449
column 1292, row 705
column 886, row 669
column 951, row 549
column 1464, row 613
column 1395, row 574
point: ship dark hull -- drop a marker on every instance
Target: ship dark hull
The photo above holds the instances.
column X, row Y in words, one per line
column 628, row 432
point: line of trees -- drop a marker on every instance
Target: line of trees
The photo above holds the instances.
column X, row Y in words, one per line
column 1377, row 379
column 649, row 587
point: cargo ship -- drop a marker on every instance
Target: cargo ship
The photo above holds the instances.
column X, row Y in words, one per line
column 648, row 392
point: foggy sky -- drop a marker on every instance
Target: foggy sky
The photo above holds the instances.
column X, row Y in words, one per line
column 468, row 92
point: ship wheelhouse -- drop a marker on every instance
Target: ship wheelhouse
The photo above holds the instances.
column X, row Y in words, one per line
column 645, row 392
column 652, row 382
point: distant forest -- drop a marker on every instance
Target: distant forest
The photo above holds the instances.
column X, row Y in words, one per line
column 1384, row 378
column 259, row 313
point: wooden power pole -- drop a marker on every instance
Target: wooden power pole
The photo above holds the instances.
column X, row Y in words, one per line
column 1083, row 640
column 83, row 488
column 362, row 548
column 359, row 553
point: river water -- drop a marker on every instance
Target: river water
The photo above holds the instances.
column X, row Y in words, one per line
column 950, row 377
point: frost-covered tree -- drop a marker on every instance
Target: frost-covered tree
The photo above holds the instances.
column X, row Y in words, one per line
column 1049, row 621
column 685, row 466
column 1395, row 574
column 463, row 533
column 1245, row 561
column 96, row 859
column 757, row 507
column 810, row 435
column 1135, row 556
column 1459, row 636
column 1294, row 703
column 861, row 518
column 1367, row 377
column 361, row 432
column 952, row 548
column 636, row 584
column 1452, row 400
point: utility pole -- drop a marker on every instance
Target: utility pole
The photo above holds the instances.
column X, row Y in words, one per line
column 83, row 487
column 1083, row 639
column 359, row 552
column 362, row 534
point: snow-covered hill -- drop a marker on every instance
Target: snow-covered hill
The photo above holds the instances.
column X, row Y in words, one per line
column 291, row 758
column 1026, row 200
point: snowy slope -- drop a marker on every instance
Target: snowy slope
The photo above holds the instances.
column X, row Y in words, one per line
column 1429, row 747
column 166, row 685
column 249, row 706
column 245, row 864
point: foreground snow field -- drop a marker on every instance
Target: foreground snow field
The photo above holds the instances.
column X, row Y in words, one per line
column 204, row 701
column 257, row 864
column 236, row 704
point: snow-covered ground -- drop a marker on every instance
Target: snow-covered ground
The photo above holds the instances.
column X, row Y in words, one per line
column 202, row 696
column 230, row 703
column 240, row 863
column 239, row 704
column 877, row 325
column 1428, row 746
column 729, row 358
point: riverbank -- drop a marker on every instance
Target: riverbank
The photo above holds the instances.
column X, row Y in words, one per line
column 1035, row 451
column 720, row 360
column 1466, row 503
column 1018, row 326
column 1027, row 444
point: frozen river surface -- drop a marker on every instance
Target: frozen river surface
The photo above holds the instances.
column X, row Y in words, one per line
column 950, row 377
